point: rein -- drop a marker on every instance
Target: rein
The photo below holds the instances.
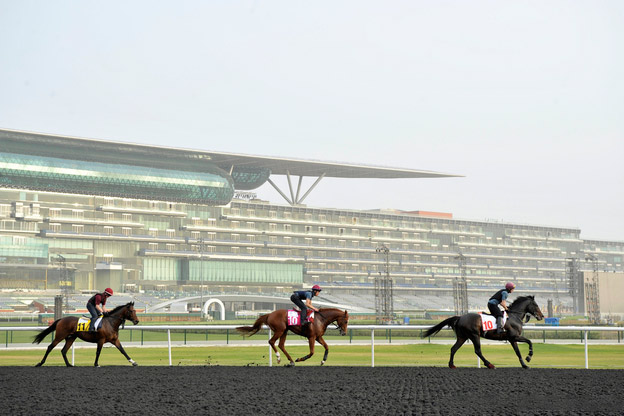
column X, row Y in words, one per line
column 521, row 314
column 335, row 322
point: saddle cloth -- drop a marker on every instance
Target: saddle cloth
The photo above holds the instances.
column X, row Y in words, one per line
column 83, row 323
column 488, row 322
column 293, row 316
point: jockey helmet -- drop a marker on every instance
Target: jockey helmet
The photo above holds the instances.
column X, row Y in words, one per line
column 510, row 286
column 109, row 291
column 316, row 287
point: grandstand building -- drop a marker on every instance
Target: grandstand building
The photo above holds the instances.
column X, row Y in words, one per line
column 83, row 214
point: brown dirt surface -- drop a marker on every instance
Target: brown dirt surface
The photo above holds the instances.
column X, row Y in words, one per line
column 218, row 390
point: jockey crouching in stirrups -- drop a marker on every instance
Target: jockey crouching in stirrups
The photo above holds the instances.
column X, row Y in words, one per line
column 298, row 297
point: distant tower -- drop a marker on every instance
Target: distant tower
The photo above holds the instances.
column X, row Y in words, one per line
column 574, row 286
column 460, row 287
column 384, row 301
column 592, row 297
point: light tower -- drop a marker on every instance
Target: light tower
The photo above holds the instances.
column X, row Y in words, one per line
column 383, row 289
column 460, row 286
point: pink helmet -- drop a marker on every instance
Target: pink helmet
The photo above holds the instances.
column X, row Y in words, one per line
column 316, row 287
column 510, row 286
column 109, row 291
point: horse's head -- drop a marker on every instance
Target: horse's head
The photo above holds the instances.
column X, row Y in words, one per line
column 130, row 313
column 342, row 322
column 534, row 309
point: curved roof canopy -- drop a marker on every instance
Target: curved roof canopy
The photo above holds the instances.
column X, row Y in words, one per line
column 246, row 171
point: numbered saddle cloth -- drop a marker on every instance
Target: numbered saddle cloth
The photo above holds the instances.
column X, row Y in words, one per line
column 488, row 321
column 83, row 323
column 293, row 316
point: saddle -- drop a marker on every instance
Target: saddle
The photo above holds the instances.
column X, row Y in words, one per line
column 84, row 323
column 488, row 321
column 293, row 317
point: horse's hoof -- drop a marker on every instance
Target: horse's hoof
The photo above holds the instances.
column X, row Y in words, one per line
column 39, row 365
column 526, row 367
column 528, row 359
column 451, row 366
column 290, row 364
column 322, row 362
column 134, row 364
column 492, row 366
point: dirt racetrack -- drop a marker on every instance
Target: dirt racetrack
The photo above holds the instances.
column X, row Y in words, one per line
column 308, row 390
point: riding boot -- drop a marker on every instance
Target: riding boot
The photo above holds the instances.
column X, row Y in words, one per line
column 304, row 328
column 499, row 324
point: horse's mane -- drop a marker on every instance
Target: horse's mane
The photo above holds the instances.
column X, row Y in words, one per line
column 120, row 307
column 521, row 299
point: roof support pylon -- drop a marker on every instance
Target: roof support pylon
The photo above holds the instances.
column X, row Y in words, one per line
column 294, row 197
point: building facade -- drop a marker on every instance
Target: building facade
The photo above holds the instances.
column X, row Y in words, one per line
column 134, row 224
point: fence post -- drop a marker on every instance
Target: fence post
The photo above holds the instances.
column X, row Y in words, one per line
column 169, row 345
column 373, row 347
column 586, row 356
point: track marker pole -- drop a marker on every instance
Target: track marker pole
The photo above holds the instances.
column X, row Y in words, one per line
column 270, row 351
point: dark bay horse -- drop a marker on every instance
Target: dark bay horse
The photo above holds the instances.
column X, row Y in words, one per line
column 66, row 329
column 277, row 321
column 469, row 326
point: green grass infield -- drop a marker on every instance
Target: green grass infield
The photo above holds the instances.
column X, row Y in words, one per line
column 545, row 356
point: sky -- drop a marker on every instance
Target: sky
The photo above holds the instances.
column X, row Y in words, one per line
column 524, row 99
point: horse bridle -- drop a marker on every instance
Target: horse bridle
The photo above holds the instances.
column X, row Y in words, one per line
column 335, row 322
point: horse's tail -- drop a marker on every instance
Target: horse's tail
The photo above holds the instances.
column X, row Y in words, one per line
column 45, row 332
column 250, row 330
column 437, row 328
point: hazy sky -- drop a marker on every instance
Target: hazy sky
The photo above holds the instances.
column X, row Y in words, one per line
column 523, row 98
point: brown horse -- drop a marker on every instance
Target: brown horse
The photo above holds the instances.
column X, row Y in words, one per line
column 469, row 327
column 277, row 321
column 66, row 329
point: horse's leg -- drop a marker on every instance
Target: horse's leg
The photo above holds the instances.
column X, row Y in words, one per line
column 476, row 341
column 100, row 343
column 514, row 344
column 68, row 343
column 274, row 338
column 324, row 344
column 311, row 342
column 53, row 344
column 121, row 349
column 282, row 346
column 528, row 341
column 460, row 341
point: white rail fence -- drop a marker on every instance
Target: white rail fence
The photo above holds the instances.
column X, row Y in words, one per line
column 584, row 330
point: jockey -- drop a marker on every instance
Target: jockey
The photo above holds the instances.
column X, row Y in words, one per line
column 95, row 306
column 298, row 296
column 500, row 299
